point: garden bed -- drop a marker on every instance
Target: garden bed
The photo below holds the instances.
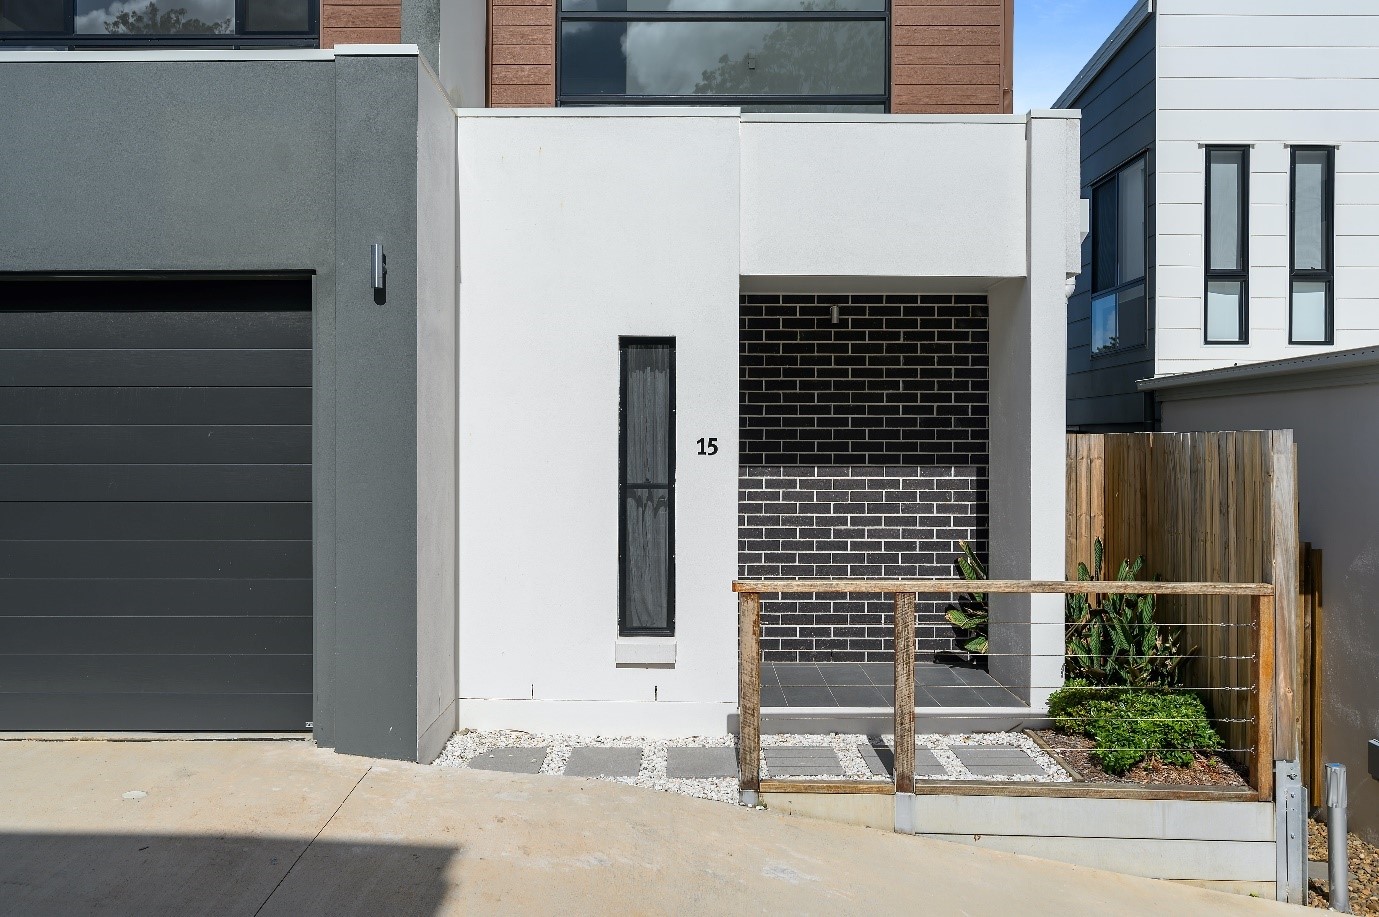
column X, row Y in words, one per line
column 1076, row 754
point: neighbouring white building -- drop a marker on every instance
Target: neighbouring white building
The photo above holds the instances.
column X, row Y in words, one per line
column 1231, row 156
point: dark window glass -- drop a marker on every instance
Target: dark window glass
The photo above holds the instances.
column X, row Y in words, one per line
column 1119, row 308
column 1227, row 248
column 646, row 438
column 152, row 17
column 723, row 58
column 31, row 16
column 1311, row 286
column 277, row 15
column 725, row 6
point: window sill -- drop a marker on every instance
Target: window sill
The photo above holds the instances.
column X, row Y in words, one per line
column 644, row 651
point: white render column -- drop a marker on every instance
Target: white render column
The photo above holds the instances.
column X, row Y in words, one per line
column 1028, row 389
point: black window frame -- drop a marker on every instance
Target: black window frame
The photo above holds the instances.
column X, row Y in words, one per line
column 1121, row 284
column 624, row 629
column 578, row 99
column 1328, row 274
column 1241, row 275
column 70, row 39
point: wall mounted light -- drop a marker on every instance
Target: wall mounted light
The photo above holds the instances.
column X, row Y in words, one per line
column 378, row 273
column 833, row 313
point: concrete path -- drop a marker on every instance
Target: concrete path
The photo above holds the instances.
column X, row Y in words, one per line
column 282, row 828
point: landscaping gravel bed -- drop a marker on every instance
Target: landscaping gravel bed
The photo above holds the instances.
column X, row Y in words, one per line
column 1205, row 770
column 1364, row 872
column 467, row 745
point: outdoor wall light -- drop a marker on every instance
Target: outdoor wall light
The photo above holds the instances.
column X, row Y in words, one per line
column 378, row 273
column 833, row 313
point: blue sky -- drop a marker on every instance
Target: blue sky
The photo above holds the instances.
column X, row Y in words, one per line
column 1053, row 39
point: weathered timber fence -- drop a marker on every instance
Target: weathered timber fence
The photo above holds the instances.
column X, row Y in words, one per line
column 1256, row 656
column 1208, row 507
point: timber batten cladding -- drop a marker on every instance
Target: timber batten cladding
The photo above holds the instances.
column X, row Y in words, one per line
column 360, row 22
column 946, row 56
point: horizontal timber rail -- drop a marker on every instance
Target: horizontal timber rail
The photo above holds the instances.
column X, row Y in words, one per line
column 905, row 591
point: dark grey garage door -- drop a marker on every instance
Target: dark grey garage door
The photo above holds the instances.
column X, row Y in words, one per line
column 155, row 504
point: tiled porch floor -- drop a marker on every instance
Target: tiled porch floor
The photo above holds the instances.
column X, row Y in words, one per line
column 870, row 684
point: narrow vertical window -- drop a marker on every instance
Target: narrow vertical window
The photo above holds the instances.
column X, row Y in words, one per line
column 1119, row 307
column 646, row 492
column 1311, row 292
column 1227, row 246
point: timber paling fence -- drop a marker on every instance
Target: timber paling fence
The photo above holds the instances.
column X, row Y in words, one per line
column 1208, row 507
column 1251, row 664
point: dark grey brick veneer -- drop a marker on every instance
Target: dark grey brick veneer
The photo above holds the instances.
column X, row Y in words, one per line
column 864, row 454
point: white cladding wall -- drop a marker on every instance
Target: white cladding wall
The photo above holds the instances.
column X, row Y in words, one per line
column 580, row 226
column 576, row 229
column 878, row 197
column 1267, row 73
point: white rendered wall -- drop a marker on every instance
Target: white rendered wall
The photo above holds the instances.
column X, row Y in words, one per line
column 892, row 196
column 577, row 227
column 1267, row 73
column 436, row 392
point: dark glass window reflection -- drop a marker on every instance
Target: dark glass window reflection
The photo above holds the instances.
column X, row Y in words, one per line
column 31, row 16
column 133, row 23
column 277, row 15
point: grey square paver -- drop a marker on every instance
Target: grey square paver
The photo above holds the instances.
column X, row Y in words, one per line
column 701, row 763
column 604, row 762
column 510, row 760
column 997, row 761
column 880, row 760
column 803, row 761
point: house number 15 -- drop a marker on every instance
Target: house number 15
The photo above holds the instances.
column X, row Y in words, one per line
column 708, row 446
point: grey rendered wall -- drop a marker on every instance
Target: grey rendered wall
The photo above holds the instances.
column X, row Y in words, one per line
column 232, row 165
column 1337, row 435
column 435, row 417
column 1117, row 124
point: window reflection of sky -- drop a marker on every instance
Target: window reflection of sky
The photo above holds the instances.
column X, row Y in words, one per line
column 93, row 16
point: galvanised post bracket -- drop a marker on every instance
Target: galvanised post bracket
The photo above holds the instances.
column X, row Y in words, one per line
column 1290, row 832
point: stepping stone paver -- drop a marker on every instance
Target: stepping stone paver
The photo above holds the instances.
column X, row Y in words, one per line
column 701, row 763
column 604, row 762
column 880, row 760
column 997, row 761
column 803, row 761
column 510, row 760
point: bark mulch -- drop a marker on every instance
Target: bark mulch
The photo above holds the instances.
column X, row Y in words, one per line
column 1205, row 770
column 1364, row 872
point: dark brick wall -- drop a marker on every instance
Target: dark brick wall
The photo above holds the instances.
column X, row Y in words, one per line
column 864, row 454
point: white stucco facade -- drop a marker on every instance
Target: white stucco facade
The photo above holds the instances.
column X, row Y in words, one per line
column 578, row 226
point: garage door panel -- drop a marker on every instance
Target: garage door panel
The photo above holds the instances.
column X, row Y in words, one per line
column 108, row 444
column 196, row 329
column 155, row 712
column 144, row 483
column 157, row 559
column 172, row 598
column 132, row 673
column 155, row 367
column 129, row 635
column 165, row 521
column 155, row 503
column 111, row 405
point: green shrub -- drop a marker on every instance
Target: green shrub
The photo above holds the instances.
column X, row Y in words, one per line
column 1132, row 724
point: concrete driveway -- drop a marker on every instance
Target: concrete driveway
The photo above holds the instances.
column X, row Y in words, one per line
column 283, row 828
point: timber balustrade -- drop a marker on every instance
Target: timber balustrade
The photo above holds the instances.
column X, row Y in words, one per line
column 749, row 592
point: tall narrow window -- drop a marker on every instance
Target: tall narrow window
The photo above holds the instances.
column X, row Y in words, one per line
column 1119, row 308
column 646, row 491
column 1227, row 245
column 1313, row 208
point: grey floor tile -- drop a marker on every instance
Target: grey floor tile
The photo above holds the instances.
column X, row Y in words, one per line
column 803, row 761
column 799, row 673
column 844, row 673
column 930, row 674
column 808, row 696
column 927, row 764
column 604, row 762
column 701, row 763
column 1014, row 770
column 773, row 696
column 768, row 674
column 510, row 760
column 996, row 760
column 879, row 673
column 881, row 761
column 859, row 696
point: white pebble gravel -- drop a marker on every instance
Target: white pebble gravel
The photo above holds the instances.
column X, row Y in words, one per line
column 466, row 744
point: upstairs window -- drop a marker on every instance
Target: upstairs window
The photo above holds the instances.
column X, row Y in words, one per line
column 1227, row 318
column 1119, row 309
column 781, row 55
column 1311, row 287
column 158, row 23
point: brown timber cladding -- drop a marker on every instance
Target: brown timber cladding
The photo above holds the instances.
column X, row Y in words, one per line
column 360, row 22
column 946, row 55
